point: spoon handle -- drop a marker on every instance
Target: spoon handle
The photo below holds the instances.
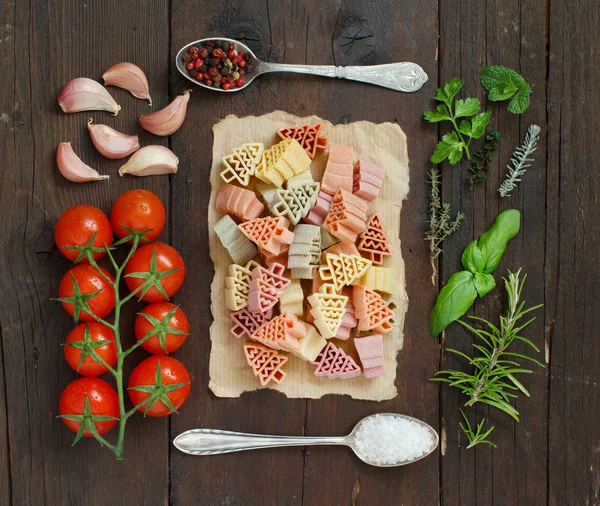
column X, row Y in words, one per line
column 407, row 77
column 214, row 441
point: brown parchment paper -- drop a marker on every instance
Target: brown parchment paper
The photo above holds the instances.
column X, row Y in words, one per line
column 383, row 144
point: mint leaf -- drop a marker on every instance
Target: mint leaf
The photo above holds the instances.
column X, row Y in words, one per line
column 449, row 147
column 466, row 107
column 440, row 113
column 503, row 83
column 480, row 123
column 520, row 101
column 449, row 91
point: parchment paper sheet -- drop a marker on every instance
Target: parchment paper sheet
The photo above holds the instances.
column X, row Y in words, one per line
column 383, row 144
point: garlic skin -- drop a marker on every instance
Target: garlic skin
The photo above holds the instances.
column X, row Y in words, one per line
column 72, row 168
column 83, row 94
column 129, row 77
column 111, row 143
column 169, row 119
column 151, row 161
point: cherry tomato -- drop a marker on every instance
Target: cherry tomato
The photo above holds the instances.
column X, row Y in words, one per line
column 167, row 258
column 77, row 225
column 87, row 337
column 89, row 280
column 164, row 342
column 173, row 384
column 138, row 210
column 103, row 401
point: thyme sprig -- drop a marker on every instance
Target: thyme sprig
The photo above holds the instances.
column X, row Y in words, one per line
column 493, row 380
column 520, row 161
column 482, row 159
column 441, row 223
column 476, row 436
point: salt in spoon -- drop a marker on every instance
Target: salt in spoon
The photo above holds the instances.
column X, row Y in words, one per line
column 214, row 441
column 407, row 77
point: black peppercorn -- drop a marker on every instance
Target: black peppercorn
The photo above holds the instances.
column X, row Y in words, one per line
column 224, row 46
column 193, row 73
column 246, row 56
column 224, row 71
column 213, row 62
column 203, row 68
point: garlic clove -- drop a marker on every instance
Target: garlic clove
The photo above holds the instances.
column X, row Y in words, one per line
column 151, row 161
column 129, row 77
column 71, row 166
column 169, row 119
column 83, row 94
column 111, row 143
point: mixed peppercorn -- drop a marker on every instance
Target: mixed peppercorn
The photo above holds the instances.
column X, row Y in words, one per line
column 218, row 64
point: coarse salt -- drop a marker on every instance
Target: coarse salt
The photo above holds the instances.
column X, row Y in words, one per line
column 386, row 439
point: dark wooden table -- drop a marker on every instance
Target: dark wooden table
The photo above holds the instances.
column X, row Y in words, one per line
column 551, row 457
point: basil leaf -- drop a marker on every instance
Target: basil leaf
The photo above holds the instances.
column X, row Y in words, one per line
column 484, row 283
column 472, row 258
column 453, row 301
column 493, row 243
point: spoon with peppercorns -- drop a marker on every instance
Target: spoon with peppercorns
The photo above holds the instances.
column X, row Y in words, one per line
column 227, row 65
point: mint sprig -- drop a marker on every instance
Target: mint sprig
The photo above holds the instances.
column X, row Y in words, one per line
column 455, row 143
column 503, row 83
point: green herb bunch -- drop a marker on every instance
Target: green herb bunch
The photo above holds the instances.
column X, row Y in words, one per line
column 441, row 223
column 482, row 160
column 493, row 380
column 472, row 126
column 503, row 83
column 480, row 258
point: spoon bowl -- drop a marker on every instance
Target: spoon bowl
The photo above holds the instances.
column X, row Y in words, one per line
column 214, row 441
column 406, row 76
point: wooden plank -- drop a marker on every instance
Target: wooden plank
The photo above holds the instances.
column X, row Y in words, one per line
column 261, row 477
column 572, row 294
column 45, row 45
column 497, row 34
column 333, row 475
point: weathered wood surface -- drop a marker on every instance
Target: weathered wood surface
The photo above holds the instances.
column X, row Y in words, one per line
column 551, row 457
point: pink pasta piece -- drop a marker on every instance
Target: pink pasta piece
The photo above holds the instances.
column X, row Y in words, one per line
column 317, row 214
column 241, row 204
column 374, row 372
column 340, row 153
column 245, row 322
column 266, row 287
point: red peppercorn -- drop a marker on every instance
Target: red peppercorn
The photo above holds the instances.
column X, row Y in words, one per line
column 189, row 65
column 241, row 54
column 231, row 46
column 230, row 54
column 208, row 82
column 226, row 86
column 242, row 64
column 217, row 52
column 204, row 53
column 198, row 63
column 240, row 82
column 213, row 71
column 242, row 72
column 193, row 49
column 199, row 76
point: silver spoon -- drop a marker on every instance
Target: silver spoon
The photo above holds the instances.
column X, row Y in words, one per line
column 214, row 441
column 406, row 76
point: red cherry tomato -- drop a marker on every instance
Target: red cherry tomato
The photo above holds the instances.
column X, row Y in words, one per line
column 172, row 374
column 167, row 258
column 87, row 345
column 89, row 280
column 138, row 210
column 77, row 225
column 164, row 342
column 102, row 398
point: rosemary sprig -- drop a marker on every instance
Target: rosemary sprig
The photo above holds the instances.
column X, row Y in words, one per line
column 482, row 159
column 476, row 436
column 493, row 380
column 441, row 224
column 520, row 161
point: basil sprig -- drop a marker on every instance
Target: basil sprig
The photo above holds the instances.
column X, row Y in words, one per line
column 480, row 258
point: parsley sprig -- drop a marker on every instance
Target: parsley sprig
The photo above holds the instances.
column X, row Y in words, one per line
column 473, row 126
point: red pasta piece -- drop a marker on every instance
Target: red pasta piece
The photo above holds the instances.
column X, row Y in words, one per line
column 373, row 242
column 239, row 203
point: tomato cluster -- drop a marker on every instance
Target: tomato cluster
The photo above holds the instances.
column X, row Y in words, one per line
column 155, row 272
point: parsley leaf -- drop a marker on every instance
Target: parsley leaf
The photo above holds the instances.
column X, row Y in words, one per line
column 466, row 107
column 449, row 147
column 440, row 113
column 449, row 91
column 503, row 83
